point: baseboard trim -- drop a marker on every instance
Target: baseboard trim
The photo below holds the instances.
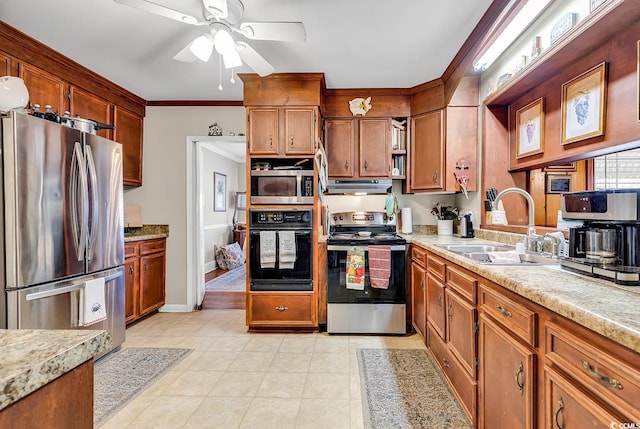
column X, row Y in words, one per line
column 175, row 308
column 210, row 266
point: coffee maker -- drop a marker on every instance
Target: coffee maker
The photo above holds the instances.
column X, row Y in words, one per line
column 607, row 245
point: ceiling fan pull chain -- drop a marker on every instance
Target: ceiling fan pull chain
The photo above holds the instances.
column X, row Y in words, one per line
column 220, row 72
column 232, row 79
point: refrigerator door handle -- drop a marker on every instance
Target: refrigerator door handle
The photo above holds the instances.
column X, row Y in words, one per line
column 67, row 289
column 94, row 206
column 79, row 226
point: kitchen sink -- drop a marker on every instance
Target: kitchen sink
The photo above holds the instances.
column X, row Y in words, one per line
column 480, row 254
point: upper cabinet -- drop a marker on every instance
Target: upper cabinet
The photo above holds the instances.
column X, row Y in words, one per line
column 427, row 152
column 282, row 131
column 55, row 80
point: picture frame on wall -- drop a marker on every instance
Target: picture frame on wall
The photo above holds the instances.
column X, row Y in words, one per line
column 584, row 105
column 219, row 192
column 530, row 129
column 558, row 184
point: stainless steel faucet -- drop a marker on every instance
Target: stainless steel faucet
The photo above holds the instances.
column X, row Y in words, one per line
column 532, row 241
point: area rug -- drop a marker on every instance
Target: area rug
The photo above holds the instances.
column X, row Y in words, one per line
column 234, row 280
column 121, row 376
column 404, row 389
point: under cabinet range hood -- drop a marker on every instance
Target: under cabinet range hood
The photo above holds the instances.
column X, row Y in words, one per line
column 359, row 186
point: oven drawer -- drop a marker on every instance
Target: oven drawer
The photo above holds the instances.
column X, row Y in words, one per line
column 282, row 310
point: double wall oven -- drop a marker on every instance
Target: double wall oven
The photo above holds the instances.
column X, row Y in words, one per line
column 365, row 309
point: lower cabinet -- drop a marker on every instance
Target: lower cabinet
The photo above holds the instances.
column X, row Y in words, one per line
column 282, row 310
column 145, row 267
column 418, row 291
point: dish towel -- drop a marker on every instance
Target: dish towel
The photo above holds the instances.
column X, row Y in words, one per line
column 379, row 266
column 355, row 269
column 267, row 249
column 92, row 302
column 287, row 256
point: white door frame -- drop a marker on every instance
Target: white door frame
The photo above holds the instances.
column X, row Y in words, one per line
column 195, row 145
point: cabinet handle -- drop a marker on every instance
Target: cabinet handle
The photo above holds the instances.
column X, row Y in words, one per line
column 271, row 142
column 445, row 363
column 435, row 177
column 520, row 378
column 346, row 165
column 450, row 308
column 559, row 409
column 282, row 308
column 366, row 165
column 422, row 284
column 131, row 270
column 612, row 382
column 291, row 139
column 145, row 267
column 440, row 300
column 503, row 311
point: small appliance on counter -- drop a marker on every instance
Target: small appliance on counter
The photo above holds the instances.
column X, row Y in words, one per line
column 607, row 245
column 466, row 226
column 356, row 302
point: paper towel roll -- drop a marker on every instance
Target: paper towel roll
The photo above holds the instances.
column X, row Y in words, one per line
column 407, row 221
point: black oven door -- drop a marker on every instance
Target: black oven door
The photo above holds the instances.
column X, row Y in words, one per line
column 337, row 291
column 298, row 278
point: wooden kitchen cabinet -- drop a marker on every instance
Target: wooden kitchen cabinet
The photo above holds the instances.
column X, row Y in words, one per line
column 5, row 65
column 145, row 266
column 282, row 310
column 128, row 133
column 90, row 106
column 358, row 147
column 44, row 88
column 418, row 291
column 282, row 130
column 427, row 152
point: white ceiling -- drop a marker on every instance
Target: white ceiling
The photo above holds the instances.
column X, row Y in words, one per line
column 356, row 43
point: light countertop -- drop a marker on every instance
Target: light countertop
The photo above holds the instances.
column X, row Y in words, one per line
column 146, row 232
column 33, row 358
column 604, row 307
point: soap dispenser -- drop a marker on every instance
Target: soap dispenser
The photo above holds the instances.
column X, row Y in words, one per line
column 466, row 226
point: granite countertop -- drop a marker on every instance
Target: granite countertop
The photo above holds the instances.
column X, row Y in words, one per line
column 602, row 306
column 146, row 232
column 33, row 358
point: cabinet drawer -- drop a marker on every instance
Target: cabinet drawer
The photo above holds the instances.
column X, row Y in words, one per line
column 130, row 249
column 516, row 318
column 463, row 386
column 465, row 284
column 597, row 370
column 271, row 309
column 436, row 266
column 152, row 246
column 419, row 255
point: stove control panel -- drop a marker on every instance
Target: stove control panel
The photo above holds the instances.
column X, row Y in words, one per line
column 284, row 218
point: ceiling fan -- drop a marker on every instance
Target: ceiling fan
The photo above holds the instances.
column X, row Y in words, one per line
column 224, row 17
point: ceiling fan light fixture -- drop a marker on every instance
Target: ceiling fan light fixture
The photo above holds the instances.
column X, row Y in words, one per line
column 223, row 41
column 202, row 47
column 232, row 59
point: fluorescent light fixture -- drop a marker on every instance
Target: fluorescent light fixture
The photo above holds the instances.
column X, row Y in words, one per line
column 202, row 47
column 518, row 24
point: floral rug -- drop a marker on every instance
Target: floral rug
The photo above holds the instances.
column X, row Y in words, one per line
column 234, row 280
column 403, row 388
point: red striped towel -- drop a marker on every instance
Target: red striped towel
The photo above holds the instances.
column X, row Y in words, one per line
column 379, row 266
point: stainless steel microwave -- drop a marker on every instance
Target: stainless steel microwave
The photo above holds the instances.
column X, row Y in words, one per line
column 282, row 186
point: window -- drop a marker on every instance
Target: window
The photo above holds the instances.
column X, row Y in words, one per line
column 618, row 170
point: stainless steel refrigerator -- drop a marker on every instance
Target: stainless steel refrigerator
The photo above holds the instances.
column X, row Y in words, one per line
column 61, row 226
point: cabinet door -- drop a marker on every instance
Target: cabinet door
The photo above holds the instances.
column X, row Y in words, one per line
column 152, row 282
column 44, row 88
column 90, row 106
column 5, row 62
column 566, row 407
column 128, row 133
column 339, row 146
column 427, row 152
column 461, row 142
column 374, row 148
column 506, row 379
column 263, row 131
column 132, row 288
column 418, row 297
column 461, row 331
column 299, row 131
column 436, row 305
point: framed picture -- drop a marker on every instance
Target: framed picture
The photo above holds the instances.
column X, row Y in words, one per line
column 219, row 192
column 241, row 202
column 584, row 105
column 558, row 184
column 530, row 129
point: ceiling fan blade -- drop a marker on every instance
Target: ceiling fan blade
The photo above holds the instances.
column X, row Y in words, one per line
column 185, row 55
column 254, row 59
column 217, row 8
column 281, row 31
column 157, row 9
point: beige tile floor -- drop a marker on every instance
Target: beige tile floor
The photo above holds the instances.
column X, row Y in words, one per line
column 237, row 379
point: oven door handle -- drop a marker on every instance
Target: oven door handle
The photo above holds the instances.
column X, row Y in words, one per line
column 346, row 248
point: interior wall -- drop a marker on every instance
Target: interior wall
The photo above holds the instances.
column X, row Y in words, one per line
column 163, row 195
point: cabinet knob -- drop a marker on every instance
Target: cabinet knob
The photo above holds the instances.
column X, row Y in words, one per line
column 366, row 165
column 556, row 415
column 446, row 363
column 131, row 270
column 291, row 140
column 520, row 378
column 346, row 165
column 282, row 308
